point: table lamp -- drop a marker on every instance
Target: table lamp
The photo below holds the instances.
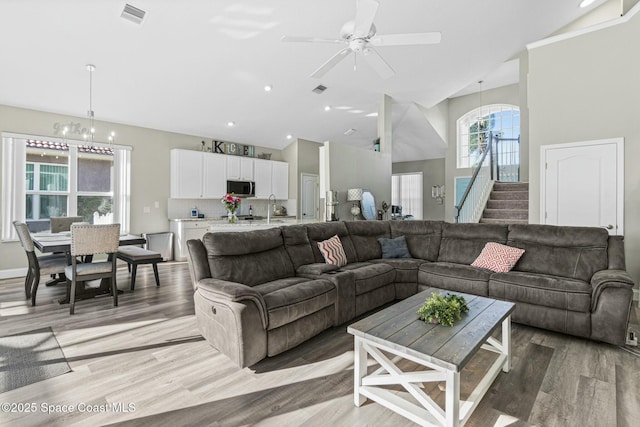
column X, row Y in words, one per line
column 354, row 195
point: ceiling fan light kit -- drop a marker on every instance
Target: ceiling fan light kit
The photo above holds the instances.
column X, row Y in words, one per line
column 359, row 36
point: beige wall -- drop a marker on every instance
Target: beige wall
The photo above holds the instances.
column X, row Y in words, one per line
column 353, row 167
column 588, row 88
column 149, row 167
column 433, row 173
column 457, row 108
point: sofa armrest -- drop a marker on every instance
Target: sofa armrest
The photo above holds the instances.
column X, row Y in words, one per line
column 216, row 290
column 315, row 269
column 604, row 279
column 611, row 298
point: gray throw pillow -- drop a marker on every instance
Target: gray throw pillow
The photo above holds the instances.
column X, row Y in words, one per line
column 394, row 248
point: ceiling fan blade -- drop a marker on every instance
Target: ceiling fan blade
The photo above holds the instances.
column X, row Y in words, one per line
column 365, row 12
column 378, row 64
column 332, row 62
column 302, row 39
column 406, row 39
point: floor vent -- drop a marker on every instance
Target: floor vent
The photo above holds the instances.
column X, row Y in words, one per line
column 319, row 89
column 133, row 14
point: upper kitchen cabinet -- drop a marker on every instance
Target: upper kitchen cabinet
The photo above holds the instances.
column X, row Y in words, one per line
column 240, row 168
column 197, row 175
column 271, row 177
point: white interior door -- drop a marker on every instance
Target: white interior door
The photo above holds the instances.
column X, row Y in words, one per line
column 583, row 184
column 310, row 196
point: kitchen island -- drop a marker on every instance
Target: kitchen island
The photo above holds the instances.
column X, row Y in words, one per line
column 194, row 228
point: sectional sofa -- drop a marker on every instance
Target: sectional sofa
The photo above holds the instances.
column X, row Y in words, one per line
column 262, row 292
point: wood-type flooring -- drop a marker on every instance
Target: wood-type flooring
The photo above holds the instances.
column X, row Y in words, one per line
column 144, row 363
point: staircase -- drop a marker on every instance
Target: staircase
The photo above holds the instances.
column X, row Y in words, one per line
column 508, row 204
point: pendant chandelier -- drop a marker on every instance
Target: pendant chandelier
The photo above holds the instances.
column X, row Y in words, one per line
column 91, row 114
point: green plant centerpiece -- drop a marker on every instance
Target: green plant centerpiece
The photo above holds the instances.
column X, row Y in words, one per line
column 443, row 309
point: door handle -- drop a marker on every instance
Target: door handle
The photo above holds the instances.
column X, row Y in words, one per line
column 608, row 227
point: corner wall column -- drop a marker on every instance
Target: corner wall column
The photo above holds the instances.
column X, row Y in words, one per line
column 385, row 124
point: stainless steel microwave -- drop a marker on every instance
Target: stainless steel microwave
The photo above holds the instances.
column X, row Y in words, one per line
column 242, row 188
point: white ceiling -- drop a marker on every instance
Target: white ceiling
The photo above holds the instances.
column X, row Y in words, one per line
column 194, row 65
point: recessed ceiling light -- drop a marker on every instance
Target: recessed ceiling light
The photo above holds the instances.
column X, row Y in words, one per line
column 268, row 88
column 327, row 107
column 231, row 124
column 289, row 136
column 586, row 3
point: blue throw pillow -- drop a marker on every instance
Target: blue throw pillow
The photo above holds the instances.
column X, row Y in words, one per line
column 394, row 248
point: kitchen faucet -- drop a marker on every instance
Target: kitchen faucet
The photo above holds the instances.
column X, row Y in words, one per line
column 269, row 207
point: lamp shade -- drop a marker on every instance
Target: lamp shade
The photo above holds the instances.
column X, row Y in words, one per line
column 354, row 194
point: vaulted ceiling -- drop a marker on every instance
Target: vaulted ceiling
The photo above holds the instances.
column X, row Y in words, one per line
column 193, row 66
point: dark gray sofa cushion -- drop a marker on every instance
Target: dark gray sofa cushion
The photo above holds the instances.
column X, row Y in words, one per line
column 370, row 276
column 575, row 252
column 542, row 290
column 321, row 231
column 455, row 277
column 406, row 268
column 295, row 297
column 462, row 243
column 365, row 235
column 423, row 237
column 251, row 257
column 297, row 245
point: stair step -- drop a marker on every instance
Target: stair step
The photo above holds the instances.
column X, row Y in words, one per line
column 507, row 204
column 503, row 221
column 510, row 186
column 509, row 195
column 506, row 213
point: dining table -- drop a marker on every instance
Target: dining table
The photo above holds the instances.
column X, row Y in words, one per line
column 61, row 243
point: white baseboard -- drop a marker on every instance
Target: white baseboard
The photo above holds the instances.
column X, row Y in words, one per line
column 13, row 273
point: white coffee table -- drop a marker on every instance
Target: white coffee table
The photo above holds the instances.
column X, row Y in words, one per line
column 444, row 350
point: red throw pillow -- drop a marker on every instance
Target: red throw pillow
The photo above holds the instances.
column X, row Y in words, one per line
column 333, row 252
column 497, row 257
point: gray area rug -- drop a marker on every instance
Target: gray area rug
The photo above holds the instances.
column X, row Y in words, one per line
column 30, row 357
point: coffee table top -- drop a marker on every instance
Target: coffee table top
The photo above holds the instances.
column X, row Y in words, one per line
column 400, row 328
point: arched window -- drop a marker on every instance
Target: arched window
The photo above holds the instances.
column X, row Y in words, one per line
column 474, row 127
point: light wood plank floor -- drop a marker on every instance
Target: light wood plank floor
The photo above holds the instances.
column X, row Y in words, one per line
column 148, row 353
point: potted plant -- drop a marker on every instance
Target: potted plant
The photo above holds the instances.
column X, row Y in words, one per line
column 444, row 310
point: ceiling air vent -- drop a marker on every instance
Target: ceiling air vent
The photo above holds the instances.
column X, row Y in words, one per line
column 133, row 14
column 319, row 89
column 350, row 131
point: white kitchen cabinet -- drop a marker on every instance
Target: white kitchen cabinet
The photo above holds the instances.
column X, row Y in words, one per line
column 262, row 174
column 197, row 175
column 280, row 180
column 183, row 231
column 271, row 177
column 240, row 168
column 214, row 183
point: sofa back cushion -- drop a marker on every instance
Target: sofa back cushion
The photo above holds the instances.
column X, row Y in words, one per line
column 365, row 235
column 251, row 258
column 574, row 252
column 462, row 243
column 297, row 245
column 423, row 237
column 321, row 231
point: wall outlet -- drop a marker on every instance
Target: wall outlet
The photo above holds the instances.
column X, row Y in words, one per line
column 146, row 209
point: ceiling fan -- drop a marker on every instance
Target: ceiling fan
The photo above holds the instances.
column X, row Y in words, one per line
column 360, row 37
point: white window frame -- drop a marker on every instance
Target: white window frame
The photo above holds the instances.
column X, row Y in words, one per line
column 14, row 177
column 467, row 120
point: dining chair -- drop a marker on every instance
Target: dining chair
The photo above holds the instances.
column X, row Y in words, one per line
column 38, row 265
column 88, row 240
column 59, row 224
